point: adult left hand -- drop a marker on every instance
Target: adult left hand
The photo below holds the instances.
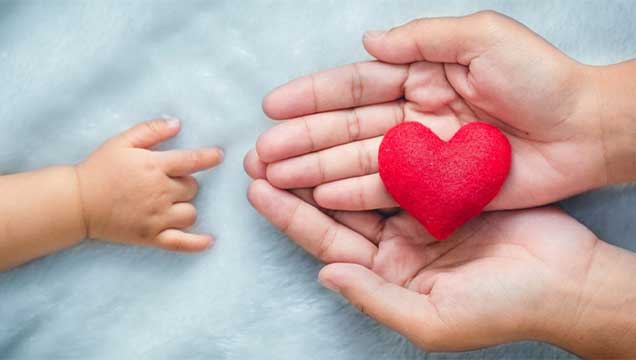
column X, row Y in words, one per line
column 504, row 276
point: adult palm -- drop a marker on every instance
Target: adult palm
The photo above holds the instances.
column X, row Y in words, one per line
column 504, row 276
column 444, row 73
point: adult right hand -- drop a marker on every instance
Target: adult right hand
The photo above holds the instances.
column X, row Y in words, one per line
column 568, row 124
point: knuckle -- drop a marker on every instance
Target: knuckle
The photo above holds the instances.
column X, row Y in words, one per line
column 489, row 18
column 162, row 195
column 357, row 85
column 320, row 165
column 365, row 161
column 173, row 244
column 326, row 243
column 144, row 231
column 353, row 125
column 192, row 216
column 290, row 220
column 195, row 157
column 310, row 134
column 418, row 23
column 416, row 26
column 360, row 306
column 192, row 186
column 154, row 210
column 360, row 194
column 150, row 166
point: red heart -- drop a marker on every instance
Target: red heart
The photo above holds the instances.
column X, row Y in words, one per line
column 443, row 184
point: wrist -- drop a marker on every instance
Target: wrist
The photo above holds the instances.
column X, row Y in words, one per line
column 613, row 95
column 80, row 203
column 602, row 320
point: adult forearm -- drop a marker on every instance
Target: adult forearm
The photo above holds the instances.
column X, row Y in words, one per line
column 40, row 213
column 616, row 99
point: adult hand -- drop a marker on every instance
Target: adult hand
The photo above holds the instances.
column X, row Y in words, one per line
column 505, row 276
column 445, row 72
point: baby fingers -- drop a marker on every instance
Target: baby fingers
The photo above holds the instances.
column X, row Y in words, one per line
column 181, row 215
column 185, row 188
column 184, row 162
column 177, row 240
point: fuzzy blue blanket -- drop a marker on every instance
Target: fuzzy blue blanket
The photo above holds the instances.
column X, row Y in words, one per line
column 75, row 73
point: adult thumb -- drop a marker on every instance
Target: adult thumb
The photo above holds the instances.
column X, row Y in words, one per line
column 445, row 39
column 403, row 310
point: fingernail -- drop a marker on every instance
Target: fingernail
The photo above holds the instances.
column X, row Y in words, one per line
column 172, row 122
column 210, row 243
column 329, row 285
column 221, row 154
column 374, row 34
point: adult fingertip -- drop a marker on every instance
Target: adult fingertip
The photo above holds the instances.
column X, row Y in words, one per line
column 339, row 277
column 270, row 105
column 276, row 175
column 253, row 166
column 326, row 197
column 371, row 40
column 327, row 283
column 266, row 104
column 255, row 191
column 261, row 147
column 328, row 277
column 373, row 34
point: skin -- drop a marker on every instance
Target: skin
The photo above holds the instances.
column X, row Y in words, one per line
column 488, row 68
column 124, row 192
column 506, row 275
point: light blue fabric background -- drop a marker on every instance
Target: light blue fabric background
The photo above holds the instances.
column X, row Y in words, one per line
column 74, row 73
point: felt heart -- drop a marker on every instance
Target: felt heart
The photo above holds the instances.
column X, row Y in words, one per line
column 443, row 184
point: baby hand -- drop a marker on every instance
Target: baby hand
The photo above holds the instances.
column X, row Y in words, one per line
column 134, row 195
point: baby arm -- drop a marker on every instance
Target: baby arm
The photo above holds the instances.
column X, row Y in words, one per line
column 123, row 192
column 40, row 213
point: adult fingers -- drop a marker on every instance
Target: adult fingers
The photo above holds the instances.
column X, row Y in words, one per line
column 343, row 161
column 367, row 223
column 339, row 88
column 313, row 230
column 405, row 311
column 444, row 40
column 355, row 194
column 254, row 166
column 320, row 131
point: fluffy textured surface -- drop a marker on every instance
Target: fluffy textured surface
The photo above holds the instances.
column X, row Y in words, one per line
column 443, row 184
column 74, row 73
